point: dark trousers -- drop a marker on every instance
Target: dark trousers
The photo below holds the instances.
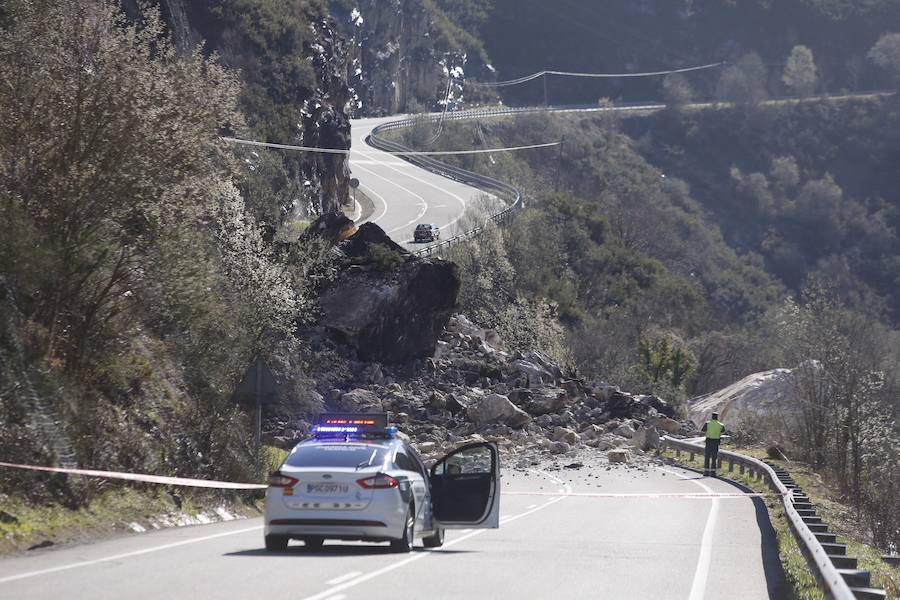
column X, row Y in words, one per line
column 711, row 455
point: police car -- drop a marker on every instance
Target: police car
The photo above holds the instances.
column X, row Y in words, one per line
column 356, row 480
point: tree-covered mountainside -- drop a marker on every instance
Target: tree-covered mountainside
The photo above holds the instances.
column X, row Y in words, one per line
column 525, row 36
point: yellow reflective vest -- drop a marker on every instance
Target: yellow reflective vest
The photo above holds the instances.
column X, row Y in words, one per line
column 714, row 429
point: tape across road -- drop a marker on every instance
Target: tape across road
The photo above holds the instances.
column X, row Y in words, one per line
column 202, row 483
column 698, row 495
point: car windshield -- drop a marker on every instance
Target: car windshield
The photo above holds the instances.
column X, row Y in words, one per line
column 337, row 455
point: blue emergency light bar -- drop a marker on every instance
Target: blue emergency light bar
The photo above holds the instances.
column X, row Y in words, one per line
column 356, row 425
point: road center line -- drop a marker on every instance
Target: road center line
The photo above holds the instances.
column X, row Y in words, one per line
column 343, row 578
column 701, row 574
column 326, row 595
column 88, row 563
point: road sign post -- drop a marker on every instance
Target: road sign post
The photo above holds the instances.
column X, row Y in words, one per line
column 259, row 385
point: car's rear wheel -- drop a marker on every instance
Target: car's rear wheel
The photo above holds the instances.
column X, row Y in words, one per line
column 277, row 543
column 434, row 541
column 314, row 543
column 405, row 543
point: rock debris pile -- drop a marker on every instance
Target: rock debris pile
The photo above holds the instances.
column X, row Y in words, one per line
column 473, row 389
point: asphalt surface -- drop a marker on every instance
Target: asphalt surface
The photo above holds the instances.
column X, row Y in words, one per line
column 405, row 195
column 548, row 546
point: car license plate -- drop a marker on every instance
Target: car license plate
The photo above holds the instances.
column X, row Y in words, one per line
column 326, row 488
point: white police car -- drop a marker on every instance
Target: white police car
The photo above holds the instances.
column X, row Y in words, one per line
column 355, row 480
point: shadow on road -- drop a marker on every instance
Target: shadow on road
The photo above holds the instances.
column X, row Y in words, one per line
column 338, row 550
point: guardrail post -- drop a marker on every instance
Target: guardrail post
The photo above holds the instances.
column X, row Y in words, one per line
column 741, row 468
column 677, row 452
column 731, row 466
column 692, row 457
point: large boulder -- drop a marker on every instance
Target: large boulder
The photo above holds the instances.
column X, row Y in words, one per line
column 534, row 373
column 388, row 305
column 664, row 424
column 331, row 227
column 767, row 397
column 359, row 401
column 660, row 405
column 496, row 408
column 645, row 438
column 621, row 405
column 544, row 400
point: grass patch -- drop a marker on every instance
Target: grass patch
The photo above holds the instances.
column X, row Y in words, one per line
column 115, row 511
column 842, row 520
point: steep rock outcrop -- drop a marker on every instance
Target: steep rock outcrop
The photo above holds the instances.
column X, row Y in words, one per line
column 402, row 56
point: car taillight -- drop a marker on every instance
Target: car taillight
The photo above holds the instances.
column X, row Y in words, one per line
column 378, row 482
column 277, row 479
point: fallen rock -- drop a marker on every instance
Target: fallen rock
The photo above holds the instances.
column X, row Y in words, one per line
column 426, row 447
column 534, row 373
column 496, row 408
column 660, row 405
column 618, row 456
column 544, row 400
column 665, row 424
column 565, row 434
column 625, row 430
column 559, row 447
column 645, row 438
column 359, row 400
column 386, row 304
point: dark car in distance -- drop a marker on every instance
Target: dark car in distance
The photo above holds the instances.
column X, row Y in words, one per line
column 426, row 232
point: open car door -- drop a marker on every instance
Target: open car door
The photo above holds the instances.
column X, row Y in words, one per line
column 465, row 490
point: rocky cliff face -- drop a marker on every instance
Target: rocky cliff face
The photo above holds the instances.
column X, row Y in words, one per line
column 400, row 59
column 286, row 109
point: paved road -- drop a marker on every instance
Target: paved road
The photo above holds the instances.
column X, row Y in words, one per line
column 404, row 194
column 547, row 547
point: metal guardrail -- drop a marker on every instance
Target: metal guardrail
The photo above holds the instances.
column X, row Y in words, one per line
column 832, row 583
column 511, row 194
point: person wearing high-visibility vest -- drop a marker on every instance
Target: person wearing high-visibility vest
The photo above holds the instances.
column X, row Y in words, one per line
column 713, row 430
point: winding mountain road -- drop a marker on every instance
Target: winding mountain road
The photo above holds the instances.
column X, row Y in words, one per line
column 549, row 545
column 404, row 194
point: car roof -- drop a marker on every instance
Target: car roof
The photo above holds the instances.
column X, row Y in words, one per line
column 378, row 443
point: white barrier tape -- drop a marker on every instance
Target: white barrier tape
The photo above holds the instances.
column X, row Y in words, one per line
column 698, row 495
column 202, row 483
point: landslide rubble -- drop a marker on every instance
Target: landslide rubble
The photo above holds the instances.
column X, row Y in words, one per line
column 473, row 389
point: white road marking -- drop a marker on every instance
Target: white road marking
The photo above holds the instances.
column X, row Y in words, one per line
column 530, row 507
column 88, row 563
column 381, row 199
column 408, row 191
column 337, row 597
column 343, row 578
column 461, row 201
column 419, row 555
column 701, row 574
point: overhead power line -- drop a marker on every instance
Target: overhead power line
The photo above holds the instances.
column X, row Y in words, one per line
column 410, row 153
column 534, row 76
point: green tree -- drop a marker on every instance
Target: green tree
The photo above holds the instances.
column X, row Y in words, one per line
column 665, row 362
column 745, row 82
column 126, row 132
column 885, row 54
column 800, row 72
column 677, row 91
